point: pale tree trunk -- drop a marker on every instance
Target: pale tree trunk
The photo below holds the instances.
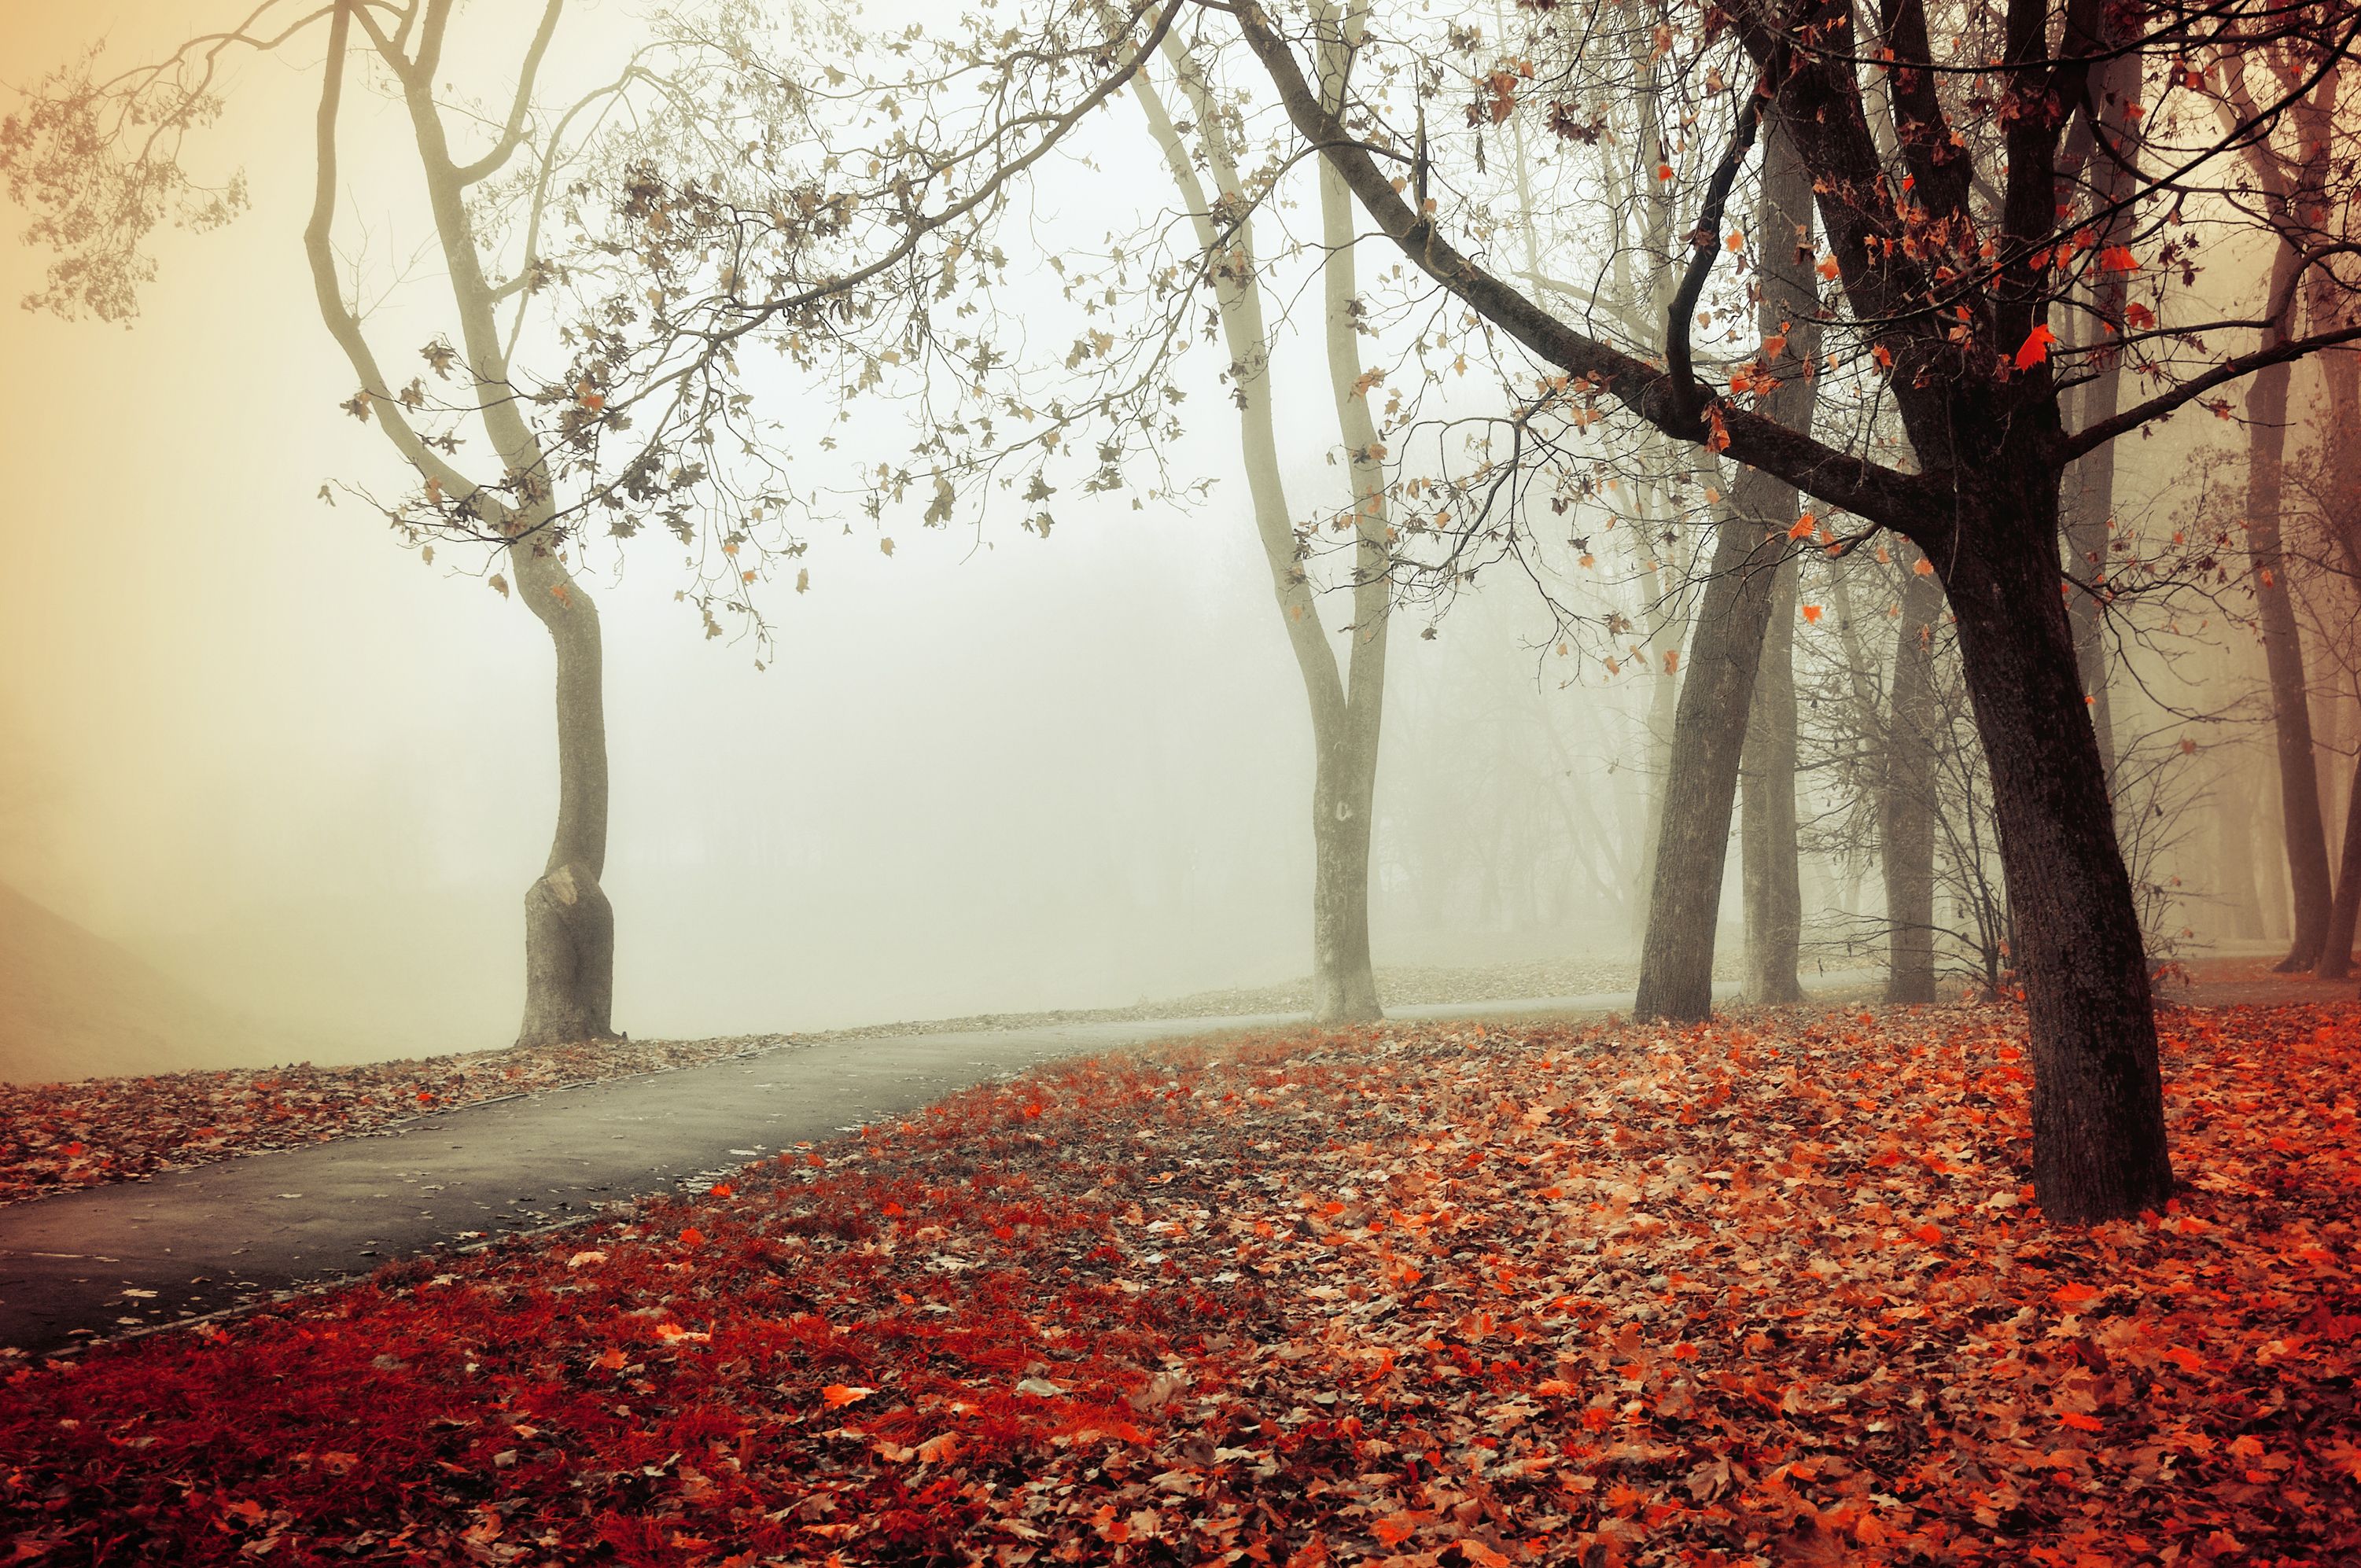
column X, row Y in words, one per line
column 1907, row 797
column 1345, row 706
column 1769, row 874
column 569, row 925
column 1718, row 688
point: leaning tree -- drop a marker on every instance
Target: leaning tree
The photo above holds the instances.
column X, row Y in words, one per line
column 1957, row 246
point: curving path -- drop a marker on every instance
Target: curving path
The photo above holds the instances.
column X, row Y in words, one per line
column 124, row 1259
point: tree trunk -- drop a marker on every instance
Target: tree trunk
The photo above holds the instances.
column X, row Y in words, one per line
column 570, row 927
column 2098, row 1106
column 1767, row 849
column 1701, row 779
column 1717, row 692
column 1906, row 804
column 2307, row 841
column 1345, row 706
column 2336, row 944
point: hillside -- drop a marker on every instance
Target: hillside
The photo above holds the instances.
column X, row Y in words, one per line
column 75, row 1005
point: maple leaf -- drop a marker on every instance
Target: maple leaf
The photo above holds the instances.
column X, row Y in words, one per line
column 2035, row 349
column 838, row 1395
column 1812, row 614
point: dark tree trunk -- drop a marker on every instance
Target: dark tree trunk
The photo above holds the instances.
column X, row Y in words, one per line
column 1701, row 779
column 2337, row 944
column 2307, row 838
column 1767, row 849
column 2098, row 1106
column 1906, row 805
column 570, row 927
column 1718, row 690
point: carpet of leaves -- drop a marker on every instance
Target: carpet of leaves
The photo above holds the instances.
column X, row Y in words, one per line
column 1770, row 1291
column 56, row 1137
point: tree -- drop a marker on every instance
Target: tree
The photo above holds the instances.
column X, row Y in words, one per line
column 1347, row 705
column 100, row 166
column 1951, row 260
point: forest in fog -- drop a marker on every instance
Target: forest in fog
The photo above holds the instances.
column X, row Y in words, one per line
column 1167, row 781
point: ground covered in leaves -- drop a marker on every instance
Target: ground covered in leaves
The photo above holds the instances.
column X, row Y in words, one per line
column 56, row 1137
column 1766, row 1292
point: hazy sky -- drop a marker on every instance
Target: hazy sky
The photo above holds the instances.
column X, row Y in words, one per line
column 264, row 745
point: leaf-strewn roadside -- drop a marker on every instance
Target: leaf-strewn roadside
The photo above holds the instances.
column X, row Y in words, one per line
column 56, row 1137
column 1766, row 1291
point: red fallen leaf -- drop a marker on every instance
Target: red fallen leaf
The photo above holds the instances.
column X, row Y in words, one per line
column 692, row 1237
column 2073, row 1293
column 935, row 1450
column 609, row 1360
column 838, row 1395
column 722, row 1189
column 2081, row 1422
column 1930, row 1235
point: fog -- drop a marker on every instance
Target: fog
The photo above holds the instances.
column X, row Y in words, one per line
column 259, row 744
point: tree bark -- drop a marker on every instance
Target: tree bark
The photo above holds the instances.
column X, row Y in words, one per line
column 1767, row 847
column 1907, row 803
column 2098, row 1106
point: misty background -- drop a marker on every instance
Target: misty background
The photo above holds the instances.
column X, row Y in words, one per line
column 248, row 737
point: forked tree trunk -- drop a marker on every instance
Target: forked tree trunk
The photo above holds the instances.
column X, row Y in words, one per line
column 2307, row 838
column 1907, row 803
column 570, row 927
column 1767, row 851
column 1346, row 706
column 2098, row 1104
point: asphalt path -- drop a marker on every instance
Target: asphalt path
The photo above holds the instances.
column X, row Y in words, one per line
column 121, row 1260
